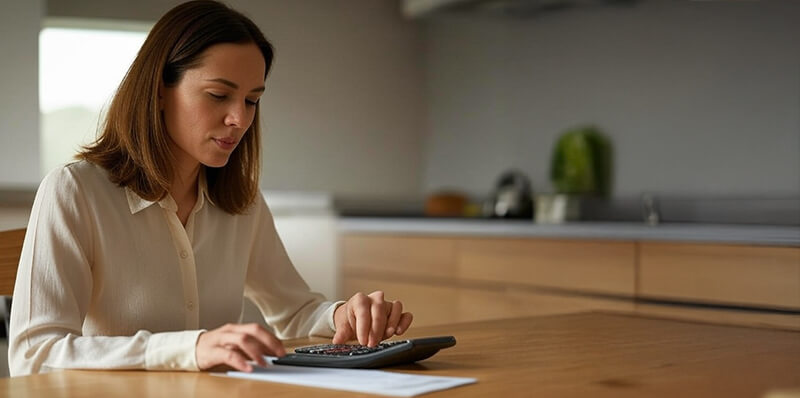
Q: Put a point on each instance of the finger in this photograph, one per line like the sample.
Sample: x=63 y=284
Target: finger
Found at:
x=395 y=311
x=361 y=319
x=230 y=357
x=268 y=340
x=343 y=333
x=245 y=343
x=379 y=315
x=405 y=322
x=377 y=295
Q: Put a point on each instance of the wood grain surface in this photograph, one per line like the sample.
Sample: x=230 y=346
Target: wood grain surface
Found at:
x=573 y=355
x=10 y=249
x=749 y=275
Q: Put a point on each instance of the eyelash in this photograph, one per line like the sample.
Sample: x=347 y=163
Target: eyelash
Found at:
x=223 y=97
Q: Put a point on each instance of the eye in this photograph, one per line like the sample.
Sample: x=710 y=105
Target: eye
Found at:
x=218 y=97
x=251 y=102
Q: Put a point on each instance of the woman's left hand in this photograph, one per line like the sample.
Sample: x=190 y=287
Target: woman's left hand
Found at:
x=370 y=319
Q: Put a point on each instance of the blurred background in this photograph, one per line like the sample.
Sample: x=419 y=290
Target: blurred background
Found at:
x=377 y=108
x=699 y=98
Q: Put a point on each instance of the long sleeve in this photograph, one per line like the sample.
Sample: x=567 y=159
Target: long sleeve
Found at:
x=54 y=292
x=278 y=290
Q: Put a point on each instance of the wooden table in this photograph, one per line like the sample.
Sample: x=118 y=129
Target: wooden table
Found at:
x=576 y=355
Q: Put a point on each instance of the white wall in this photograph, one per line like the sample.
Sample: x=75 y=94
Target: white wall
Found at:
x=344 y=107
x=19 y=99
x=698 y=98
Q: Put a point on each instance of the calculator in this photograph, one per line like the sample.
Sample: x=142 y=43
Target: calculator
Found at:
x=388 y=353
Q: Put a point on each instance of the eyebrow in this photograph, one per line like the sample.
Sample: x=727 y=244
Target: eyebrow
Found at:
x=234 y=85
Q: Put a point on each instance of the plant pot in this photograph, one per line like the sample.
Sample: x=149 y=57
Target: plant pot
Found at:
x=557 y=208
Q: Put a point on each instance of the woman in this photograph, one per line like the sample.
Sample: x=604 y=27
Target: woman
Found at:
x=138 y=255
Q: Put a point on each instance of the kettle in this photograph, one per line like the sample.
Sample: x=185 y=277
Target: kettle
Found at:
x=512 y=197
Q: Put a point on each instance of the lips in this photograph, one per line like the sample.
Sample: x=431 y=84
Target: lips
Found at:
x=226 y=140
x=226 y=143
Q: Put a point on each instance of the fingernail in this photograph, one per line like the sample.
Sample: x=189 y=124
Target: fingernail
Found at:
x=390 y=331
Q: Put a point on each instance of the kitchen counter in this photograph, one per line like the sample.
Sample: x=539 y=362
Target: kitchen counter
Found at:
x=764 y=235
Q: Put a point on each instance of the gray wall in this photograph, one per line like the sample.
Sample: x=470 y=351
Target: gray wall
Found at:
x=344 y=107
x=698 y=98
x=19 y=98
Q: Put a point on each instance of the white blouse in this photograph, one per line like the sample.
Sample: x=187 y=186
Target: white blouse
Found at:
x=108 y=280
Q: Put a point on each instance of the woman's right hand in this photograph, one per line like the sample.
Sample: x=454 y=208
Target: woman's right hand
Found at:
x=236 y=344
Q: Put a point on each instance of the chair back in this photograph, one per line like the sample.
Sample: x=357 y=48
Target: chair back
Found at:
x=10 y=250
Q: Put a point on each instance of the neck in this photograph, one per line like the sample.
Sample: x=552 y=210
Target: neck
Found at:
x=184 y=184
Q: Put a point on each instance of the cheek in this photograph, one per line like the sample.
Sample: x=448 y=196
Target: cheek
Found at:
x=184 y=116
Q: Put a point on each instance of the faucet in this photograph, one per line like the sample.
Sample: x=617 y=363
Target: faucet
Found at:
x=650 y=209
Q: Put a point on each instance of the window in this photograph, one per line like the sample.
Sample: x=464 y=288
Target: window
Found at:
x=81 y=63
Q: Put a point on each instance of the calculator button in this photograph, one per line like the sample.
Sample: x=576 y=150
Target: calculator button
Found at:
x=346 y=349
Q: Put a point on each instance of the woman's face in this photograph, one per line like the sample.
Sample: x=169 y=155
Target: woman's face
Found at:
x=209 y=110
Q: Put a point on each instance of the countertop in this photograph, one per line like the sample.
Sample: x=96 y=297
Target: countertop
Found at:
x=599 y=355
x=765 y=235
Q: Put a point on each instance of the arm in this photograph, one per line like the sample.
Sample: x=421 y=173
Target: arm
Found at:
x=53 y=294
x=277 y=289
x=289 y=306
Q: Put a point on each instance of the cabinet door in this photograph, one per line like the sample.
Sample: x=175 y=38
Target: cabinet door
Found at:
x=760 y=319
x=591 y=266
x=434 y=304
x=484 y=304
x=743 y=275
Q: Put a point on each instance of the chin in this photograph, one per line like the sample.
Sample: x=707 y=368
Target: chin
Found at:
x=216 y=163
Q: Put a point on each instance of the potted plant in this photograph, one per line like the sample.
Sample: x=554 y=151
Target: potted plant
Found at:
x=580 y=166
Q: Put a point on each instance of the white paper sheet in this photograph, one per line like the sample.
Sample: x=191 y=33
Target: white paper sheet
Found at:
x=358 y=380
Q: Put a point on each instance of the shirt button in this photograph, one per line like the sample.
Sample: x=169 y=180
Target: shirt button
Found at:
x=184 y=254
x=190 y=305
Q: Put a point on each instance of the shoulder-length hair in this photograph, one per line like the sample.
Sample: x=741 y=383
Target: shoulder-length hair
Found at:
x=133 y=145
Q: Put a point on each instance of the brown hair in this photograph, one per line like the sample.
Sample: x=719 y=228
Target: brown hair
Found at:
x=133 y=145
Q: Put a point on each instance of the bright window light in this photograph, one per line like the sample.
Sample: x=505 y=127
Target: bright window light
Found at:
x=79 y=71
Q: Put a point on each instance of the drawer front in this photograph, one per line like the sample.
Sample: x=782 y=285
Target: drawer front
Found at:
x=592 y=266
x=399 y=254
x=475 y=304
x=759 y=319
x=437 y=304
x=759 y=276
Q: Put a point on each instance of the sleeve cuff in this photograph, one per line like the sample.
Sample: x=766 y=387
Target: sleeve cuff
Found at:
x=327 y=327
x=172 y=351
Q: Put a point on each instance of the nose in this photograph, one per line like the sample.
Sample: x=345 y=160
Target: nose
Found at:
x=236 y=115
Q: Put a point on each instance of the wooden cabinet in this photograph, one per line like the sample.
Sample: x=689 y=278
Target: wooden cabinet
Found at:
x=725 y=274
x=732 y=316
x=415 y=256
x=581 y=265
x=452 y=279
x=732 y=284
x=482 y=304
x=431 y=304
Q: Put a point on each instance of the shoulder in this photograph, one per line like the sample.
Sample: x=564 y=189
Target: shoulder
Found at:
x=256 y=208
x=257 y=215
x=80 y=170
x=76 y=178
